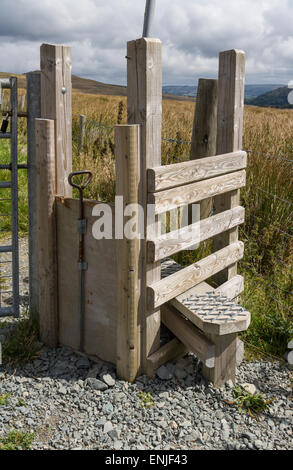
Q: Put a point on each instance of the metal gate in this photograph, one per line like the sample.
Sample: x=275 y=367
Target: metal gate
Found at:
x=12 y=248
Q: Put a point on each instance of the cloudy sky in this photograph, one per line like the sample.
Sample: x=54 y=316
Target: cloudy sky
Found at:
x=192 y=32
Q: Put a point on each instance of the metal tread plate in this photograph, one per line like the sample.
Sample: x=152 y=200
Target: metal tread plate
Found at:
x=211 y=312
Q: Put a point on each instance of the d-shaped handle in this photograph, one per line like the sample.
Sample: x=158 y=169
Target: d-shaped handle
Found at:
x=79 y=173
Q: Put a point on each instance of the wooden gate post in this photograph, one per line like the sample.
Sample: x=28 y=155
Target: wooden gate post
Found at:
x=33 y=112
x=56 y=104
x=144 y=106
x=204 y=135
x=127 y=147
x=229 y=138
x=46 y=216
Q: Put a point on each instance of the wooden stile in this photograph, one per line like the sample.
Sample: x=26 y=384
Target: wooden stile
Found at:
x=178 y=283
x=56 y=104
x=166 y=353
x=204 y=135
x=144 y=107
x=46 y=216
x=165 y=201
x=184 y=238
x=178 y=174
x=127 y=159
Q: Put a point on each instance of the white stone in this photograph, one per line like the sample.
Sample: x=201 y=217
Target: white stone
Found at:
x=290 y=344
x=250 y=388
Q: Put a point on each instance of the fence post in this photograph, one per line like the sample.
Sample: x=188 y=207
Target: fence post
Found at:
x=82 y=120
x=56 y=104
x=48 y=295
x=204 y=135
x=144 y=106
x=229 y=137
x=127 y=147
x=33 y=112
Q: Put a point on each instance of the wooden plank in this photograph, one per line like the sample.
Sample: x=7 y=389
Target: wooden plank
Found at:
x=232 y=288
x=100 y=282
x=166 y=353
x=178 y=174
x=33 y=112
x=144 y=106
x=165 y=201
x=189 y=335
x=178 y=283
x=127 y=157
x=184 y=238
x=229 y=138
x=204 y=134
x=46 y=216
x=225 y=360
x=56 y=103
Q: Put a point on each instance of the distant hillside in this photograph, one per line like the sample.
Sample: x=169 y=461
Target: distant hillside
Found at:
x=273 y=99
x=85 y=85
x=251 y=91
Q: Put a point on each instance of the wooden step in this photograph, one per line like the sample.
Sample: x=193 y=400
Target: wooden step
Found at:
x=211 y=310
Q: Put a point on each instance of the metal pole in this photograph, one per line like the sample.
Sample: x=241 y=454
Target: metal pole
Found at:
x=148 y=18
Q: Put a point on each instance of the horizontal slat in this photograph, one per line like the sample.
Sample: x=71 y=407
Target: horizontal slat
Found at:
x=5 y=184
x=166 y=353
x=178 y=283
x=183 y=195
x=169 y=176
x=189 y=335
x=232 y=288
x=184 y=238
x=6 y=249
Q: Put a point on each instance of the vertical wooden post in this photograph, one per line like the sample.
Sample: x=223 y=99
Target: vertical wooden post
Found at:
x=33 y=112
x=144 y=106
x=56 y=104
x=82 y=120
x=229 y=137
x=48 y=293
x=204 y=135
x=127 y=146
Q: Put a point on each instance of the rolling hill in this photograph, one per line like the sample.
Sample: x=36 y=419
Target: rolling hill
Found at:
x=273 y=99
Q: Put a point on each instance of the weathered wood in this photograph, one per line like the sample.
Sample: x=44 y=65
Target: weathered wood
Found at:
x=225 y=360
x=184 y=238
x=180 y=282
x=232 y=288
x=100 y=281
x=56 y=103
x=229 y=136
x=144 y=106
x=33 y=112
x=178 y=174
x=204 y=135
x=178 y=197
x=127 y=159
x=82 y=121
x=166 y=353
x=46 y=216
x=194 y=340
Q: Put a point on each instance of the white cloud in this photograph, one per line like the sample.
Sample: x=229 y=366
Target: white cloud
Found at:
x=192 y=32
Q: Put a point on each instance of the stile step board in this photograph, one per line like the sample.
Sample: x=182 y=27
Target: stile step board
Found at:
x=211 y=310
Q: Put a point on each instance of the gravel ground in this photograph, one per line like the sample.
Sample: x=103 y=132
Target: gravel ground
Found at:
x=70 y=402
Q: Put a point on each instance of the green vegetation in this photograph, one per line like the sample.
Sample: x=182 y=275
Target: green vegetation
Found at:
x=21 y=403
x=4 y=399
x=247 y=402
x=22 y=344
x=16 y=440
x=146 y=399
x=272 y=99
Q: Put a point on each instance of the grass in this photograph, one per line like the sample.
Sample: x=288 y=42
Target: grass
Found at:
x=268 y=228
x=4 y=399
x=21 y=344
x=16 y=440
x=253 y=404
